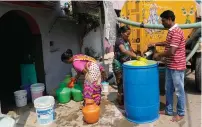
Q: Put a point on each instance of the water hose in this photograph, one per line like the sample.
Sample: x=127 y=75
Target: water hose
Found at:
x=194 y=49
x=157 y=26
x=194 y=36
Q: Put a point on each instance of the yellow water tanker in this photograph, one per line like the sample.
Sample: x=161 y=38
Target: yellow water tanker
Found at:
x=148 y=11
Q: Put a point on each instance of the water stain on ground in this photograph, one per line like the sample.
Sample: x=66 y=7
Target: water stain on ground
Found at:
x=112 y=97
x=66 y=120
x=182 y=123
x=103 y=106
x=122 y=123
x=72 y=116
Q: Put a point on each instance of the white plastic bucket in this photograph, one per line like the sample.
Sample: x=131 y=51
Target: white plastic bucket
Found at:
x=105 y=87
x=20 y=98
x=45 y=109
x=37 y=90
x=7 y=121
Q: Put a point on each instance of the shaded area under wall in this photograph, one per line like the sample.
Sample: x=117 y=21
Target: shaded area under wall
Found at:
x=20 y=46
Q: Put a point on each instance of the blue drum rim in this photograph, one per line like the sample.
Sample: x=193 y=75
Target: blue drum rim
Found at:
x=148 y=66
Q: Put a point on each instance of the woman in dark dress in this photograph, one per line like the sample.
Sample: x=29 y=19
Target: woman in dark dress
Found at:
x=123 y=53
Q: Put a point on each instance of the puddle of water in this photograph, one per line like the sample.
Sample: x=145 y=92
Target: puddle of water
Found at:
x=123 y=123
x=72 y=116
x=103 y=106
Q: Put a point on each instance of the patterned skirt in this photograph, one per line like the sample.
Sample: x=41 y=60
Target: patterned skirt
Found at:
x=92 y=83
x=117 y=68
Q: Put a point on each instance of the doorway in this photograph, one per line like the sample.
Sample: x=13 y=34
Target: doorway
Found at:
x=21 y=44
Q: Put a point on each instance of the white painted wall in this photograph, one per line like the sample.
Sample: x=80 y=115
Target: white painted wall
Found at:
x=65 y=34
x=93 y=39
x=118 y=4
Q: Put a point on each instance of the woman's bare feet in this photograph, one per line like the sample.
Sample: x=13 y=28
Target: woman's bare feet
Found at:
x=177 y=118
x=81 y=107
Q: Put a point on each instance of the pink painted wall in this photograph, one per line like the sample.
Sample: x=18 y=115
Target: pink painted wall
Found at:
x=118 y=4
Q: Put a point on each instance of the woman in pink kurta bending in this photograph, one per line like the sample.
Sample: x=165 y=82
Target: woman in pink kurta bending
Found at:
x=93 y=72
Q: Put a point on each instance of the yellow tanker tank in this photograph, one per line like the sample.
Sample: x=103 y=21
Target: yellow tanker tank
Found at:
x=148 y=11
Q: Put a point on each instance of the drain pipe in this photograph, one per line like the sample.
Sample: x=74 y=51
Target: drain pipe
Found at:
x=194 y=49
x=157 y=26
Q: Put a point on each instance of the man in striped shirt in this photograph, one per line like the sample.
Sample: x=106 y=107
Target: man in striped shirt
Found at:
x=175 y=63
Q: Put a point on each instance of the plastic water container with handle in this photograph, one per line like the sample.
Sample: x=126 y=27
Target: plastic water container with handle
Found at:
x=105 y=87
x=20 y=98
x=67 y=79
x=45 y=109
x=63 y=95
x=77 y=93
x=7 y=121
x=37 y=90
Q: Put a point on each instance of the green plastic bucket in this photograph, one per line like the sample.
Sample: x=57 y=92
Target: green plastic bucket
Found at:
x=62 y=85
x=77 y=93
x=67 y=79
x=79 y=83
x=63 y=95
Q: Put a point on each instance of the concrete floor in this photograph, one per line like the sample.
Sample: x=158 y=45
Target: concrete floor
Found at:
x=193 y=103
x=69 y=115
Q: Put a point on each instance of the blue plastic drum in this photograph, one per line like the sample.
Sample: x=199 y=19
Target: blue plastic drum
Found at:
x=141 y=92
